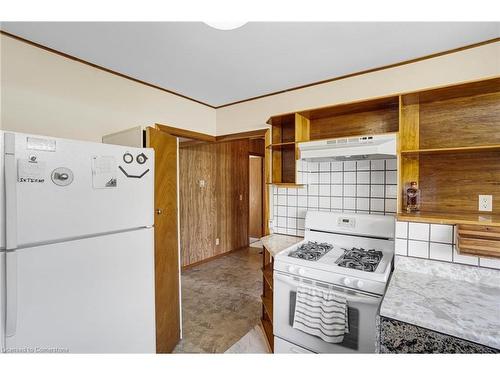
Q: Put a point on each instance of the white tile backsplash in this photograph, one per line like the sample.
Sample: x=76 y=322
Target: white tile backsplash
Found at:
x=434 y=241
x=350 y=165
x=377 y=204
x=349 y=177
x=418 y=231
x=377 y=191
x=391 y=177
x=489 y=262
x=401 y=229
x=302 y=201
x=378 y=165
x=419 y=249
x=363 y=191
x=442 y=233
x=390 y=205
x=349 y=203
x=401 y=246
x=391 y=164
x=464 y=259
x=363 y=204
x=336 y=186
x=349 y=190
x=363 y=177
x=282 y=200
x=377 y=178
x=324 y=190
x=324 y=202
x=441 y=251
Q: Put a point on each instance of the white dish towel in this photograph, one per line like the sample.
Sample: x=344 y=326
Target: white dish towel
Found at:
x=321 y=313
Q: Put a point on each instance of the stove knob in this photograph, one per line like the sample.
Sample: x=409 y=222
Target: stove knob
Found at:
x=347 y=281
x=291 y=269
x=302 y=272
x=359 y=284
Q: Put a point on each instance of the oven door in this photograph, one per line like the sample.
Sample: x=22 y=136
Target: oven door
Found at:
x=362 y=310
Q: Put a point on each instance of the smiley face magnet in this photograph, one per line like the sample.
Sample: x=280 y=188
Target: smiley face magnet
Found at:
x=130 y=169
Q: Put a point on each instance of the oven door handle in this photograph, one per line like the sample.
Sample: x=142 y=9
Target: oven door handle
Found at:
x=357 y=297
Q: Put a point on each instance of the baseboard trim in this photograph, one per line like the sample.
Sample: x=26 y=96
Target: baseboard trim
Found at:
x=188 y=266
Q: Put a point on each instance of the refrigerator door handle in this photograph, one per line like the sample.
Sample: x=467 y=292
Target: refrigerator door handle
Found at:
x=10 y=191
x=11 y=293
x=10 y=234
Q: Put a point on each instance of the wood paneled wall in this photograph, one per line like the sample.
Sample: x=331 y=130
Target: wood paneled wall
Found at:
x=220 y=208
x=198 y=208
x=257 y=146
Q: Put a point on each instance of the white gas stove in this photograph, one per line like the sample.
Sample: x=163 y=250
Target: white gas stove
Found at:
x=351 y=254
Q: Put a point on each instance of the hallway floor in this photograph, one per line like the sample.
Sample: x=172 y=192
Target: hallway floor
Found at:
x=220 y=301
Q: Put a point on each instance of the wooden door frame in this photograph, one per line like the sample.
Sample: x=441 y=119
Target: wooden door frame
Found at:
x=262 y=192
x=252 y=134
x=197 y=136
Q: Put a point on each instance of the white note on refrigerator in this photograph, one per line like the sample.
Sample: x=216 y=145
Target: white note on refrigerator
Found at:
x=104 y=172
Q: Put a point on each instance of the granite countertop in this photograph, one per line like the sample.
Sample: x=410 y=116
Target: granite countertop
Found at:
x=276 y=243
x=457 y=300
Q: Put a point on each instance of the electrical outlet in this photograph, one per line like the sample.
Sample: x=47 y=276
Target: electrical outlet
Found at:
x=486 y=203
x=217 y=242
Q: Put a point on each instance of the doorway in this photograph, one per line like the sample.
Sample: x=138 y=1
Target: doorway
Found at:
x=255 y=212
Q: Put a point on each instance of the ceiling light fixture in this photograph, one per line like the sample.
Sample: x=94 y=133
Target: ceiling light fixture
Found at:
x=231 y=25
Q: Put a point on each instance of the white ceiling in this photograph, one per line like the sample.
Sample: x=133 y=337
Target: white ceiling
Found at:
x=219 y=67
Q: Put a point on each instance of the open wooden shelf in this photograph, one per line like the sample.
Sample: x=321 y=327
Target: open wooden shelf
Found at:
x=267 y=301
x=281 y=145
x=449 y=143
x=286 y=131
x=451 y=218
x=367 y=117
x=448 y=150
x=285 y=184
x=267 y=272
x=268 y=330
x=267 y=296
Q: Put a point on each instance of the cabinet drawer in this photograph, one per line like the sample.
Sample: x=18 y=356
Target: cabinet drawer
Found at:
x=479 y=240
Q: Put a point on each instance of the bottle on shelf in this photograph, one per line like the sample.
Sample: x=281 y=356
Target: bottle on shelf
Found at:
x=412 y=197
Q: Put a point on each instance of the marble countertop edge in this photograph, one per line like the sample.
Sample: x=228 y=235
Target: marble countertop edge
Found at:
x=275 y=243
x=457 y=301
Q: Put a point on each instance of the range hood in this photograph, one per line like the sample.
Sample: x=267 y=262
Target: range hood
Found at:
x=368 y=147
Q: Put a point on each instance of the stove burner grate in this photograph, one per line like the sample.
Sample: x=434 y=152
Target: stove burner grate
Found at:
x=360 y=259
x=311 y=251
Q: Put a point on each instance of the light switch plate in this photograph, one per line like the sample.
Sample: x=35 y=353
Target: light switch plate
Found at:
x=485 y=203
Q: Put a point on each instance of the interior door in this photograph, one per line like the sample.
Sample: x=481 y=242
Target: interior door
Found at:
x=166 y=243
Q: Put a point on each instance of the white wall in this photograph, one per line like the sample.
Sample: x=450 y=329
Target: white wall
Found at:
x=471 y=64
x=44 y=93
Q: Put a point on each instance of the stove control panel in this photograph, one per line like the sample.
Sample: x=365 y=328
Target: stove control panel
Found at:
x=329 y=277
x=346 y=222
x=297 y=270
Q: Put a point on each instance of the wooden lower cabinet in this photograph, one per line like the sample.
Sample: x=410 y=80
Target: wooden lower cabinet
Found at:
x=267 y=297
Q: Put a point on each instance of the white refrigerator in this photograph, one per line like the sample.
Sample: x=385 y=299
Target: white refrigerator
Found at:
x=76 y=246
